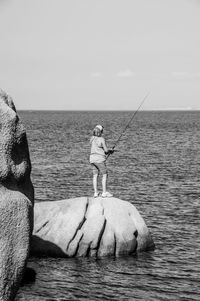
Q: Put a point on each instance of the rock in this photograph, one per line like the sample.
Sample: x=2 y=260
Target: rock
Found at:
x=88 y=227
x=16 y=199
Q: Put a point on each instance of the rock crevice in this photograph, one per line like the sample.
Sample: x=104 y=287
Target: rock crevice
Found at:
x=79 y=229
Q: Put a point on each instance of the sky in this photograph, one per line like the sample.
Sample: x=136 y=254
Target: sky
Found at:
x=100 y=54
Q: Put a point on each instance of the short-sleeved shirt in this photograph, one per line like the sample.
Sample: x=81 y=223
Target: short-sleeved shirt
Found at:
x=97 y=154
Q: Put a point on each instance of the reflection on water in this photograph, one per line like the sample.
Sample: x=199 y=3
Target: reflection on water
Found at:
x=157 y=168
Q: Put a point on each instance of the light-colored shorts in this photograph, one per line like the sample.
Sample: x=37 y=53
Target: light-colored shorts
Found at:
x=98 y=168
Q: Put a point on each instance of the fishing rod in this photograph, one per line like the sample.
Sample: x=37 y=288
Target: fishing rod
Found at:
x=131 y=119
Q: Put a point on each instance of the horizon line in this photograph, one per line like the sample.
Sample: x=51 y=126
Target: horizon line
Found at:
x=111 y=110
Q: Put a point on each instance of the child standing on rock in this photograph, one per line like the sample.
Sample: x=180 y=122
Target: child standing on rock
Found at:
x=99 y=151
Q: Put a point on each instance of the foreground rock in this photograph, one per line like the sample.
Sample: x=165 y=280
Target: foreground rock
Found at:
x=88 y=227
x=16 y=199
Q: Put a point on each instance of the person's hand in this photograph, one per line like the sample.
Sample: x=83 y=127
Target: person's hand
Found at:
x=110 y=151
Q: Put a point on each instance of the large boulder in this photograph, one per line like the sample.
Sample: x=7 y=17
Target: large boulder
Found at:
x=88 y=227
x=16 y=199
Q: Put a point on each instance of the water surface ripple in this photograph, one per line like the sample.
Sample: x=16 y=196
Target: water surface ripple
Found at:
x=157 y=168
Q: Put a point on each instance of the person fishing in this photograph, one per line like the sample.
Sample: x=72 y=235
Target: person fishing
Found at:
x=98 y=155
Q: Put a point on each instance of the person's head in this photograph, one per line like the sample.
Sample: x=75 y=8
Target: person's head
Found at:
x=98 y=130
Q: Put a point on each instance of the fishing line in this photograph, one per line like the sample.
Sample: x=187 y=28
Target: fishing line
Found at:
x=129 y=122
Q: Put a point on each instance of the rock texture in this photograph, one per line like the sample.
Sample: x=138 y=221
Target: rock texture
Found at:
x=16 y=199
x=88 y=227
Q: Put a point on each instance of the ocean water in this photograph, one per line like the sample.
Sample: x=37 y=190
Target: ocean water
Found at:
x=156 y=168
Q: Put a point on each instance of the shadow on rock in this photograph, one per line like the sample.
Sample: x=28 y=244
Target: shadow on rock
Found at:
x=45 y=248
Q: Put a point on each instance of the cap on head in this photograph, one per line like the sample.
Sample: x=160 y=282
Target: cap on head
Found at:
x=100 y=127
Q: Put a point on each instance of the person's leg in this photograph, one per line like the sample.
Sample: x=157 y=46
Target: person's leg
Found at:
x=104 y=173
x=95 y=181
x=105 y=193
x=104 y=183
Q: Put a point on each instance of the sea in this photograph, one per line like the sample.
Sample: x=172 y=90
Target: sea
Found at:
x=156 y=167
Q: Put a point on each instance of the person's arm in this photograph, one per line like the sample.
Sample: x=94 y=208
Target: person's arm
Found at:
x=106 y=150
x=103 y=142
